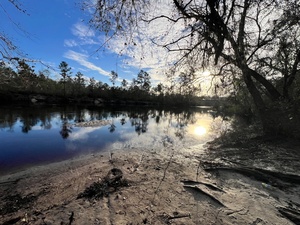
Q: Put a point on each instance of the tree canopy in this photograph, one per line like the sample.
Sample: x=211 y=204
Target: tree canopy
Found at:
x=254 y=41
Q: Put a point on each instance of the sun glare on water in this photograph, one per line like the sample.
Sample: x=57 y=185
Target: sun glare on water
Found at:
x=206 y=73
x=200 y=130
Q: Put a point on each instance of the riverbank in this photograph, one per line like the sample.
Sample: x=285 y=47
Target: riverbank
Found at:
x=163 y=186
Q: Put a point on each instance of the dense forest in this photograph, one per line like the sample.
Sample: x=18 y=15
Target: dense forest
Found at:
x=24 y=84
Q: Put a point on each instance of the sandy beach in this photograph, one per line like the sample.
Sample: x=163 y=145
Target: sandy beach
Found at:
x=162 y=186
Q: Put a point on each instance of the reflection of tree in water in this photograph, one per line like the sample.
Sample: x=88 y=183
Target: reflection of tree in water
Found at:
x=66 y=129
x=46 y=121
x=112 y=128
x=139 y=122
x=123 y=121
x=8 y=119
x=65 y=117
x=183 y=119
x=157 y=119
x=79 y=116
x=28 y=121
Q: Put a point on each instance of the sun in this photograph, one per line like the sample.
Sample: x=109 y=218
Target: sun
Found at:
x=200 y=130
x=206 y=73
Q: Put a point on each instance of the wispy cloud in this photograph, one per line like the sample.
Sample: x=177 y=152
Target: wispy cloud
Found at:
x=82 y=59
x=83 y=133
x=83 y=35
x=70 y=43
x=148 y=51
x=81 y=30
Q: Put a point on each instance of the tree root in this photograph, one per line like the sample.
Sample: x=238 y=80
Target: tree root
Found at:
x=270 y=177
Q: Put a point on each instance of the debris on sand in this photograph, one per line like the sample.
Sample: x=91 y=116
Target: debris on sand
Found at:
x=15 y=202
x=111 y=182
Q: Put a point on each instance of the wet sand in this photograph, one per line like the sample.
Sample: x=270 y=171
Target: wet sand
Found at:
x=164 y=186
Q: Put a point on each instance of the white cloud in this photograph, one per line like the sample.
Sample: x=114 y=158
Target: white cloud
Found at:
x=70 y=43
x=148 y=52
x=84 y=35
x=82 y=134
x=82 y=59
x=81 y=30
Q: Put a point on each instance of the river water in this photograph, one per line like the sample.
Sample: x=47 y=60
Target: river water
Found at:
x=36 y=135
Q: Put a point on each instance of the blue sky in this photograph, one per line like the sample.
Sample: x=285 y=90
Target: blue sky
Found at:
x=55 y=31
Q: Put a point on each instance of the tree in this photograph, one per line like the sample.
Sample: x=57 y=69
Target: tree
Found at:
x=113 y=77
x=8 y=50
x=249 y=35
x=92 y=85
x=124 y=84
x=79 y=83
x=65 y=73
x=7 y=78
x=143 y=81
x=28 y=78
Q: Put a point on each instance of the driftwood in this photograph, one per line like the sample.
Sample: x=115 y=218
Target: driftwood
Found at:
x=206 y=194
x=165 y=218
x=211 y=186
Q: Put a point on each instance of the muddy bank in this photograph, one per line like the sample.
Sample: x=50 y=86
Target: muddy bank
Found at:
x=163 y=186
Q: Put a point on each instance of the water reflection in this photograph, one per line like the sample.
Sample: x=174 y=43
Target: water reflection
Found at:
x=200 y=130
x=65 y=131
x=45 y=134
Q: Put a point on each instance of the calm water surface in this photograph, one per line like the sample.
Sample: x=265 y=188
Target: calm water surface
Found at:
x=35 y=135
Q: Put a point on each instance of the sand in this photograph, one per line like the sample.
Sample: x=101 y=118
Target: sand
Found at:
x=164 y=186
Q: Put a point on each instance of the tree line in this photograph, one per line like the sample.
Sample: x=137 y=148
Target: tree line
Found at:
x=25 y=81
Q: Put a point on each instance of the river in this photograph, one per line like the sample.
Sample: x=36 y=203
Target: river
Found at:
x=36 y=135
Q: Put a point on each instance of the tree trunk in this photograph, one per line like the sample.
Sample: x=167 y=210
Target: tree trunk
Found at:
x=269 y=118
x=278 y=117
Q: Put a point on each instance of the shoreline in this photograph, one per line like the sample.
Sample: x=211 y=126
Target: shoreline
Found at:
x=165 y=186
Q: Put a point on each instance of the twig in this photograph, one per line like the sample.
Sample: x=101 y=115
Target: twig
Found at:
x=10 y=182
x=111 y=156
x=179 y=216
x=165 y=171
x=198 y=170
x=71 y=219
